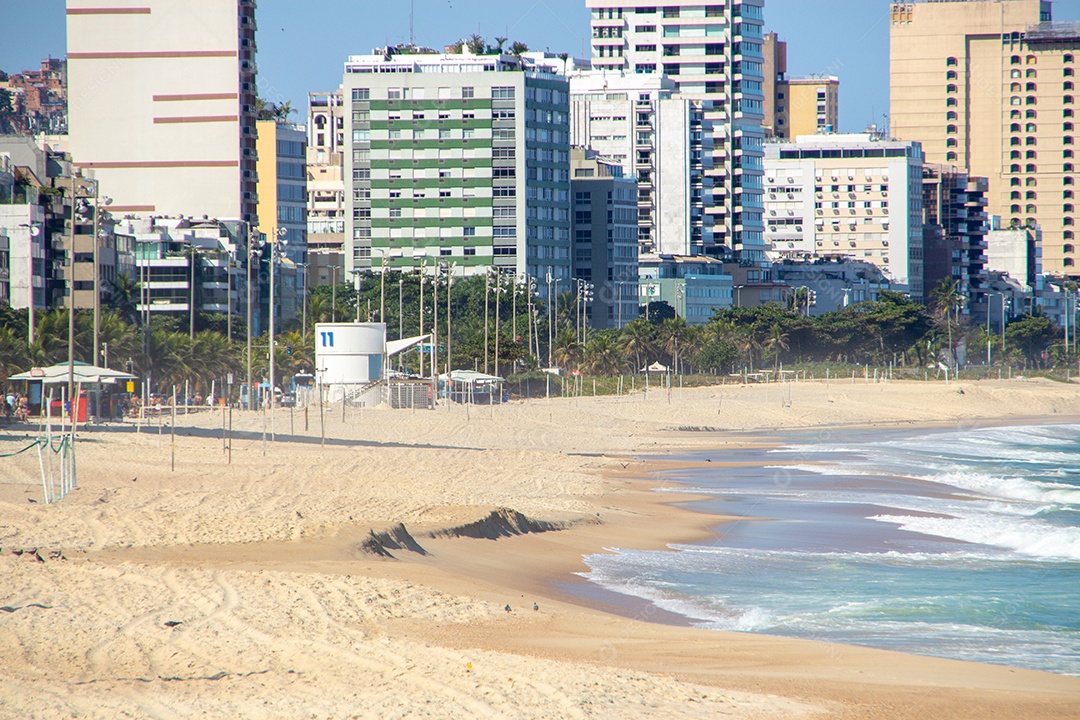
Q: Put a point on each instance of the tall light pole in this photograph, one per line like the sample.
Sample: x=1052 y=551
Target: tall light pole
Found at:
x=228 y=294
x=989 y=341
x=449 y=333
x=382 y=291
x=549 y=318
x=191 y=306
x=498 y=308
x=34 y=231
x=98 y=203
x=71 y=305
x=272 y=243
x=356 y=286
x=487 y=291
x=252 y=250
x=333 y=291
x=400 y=307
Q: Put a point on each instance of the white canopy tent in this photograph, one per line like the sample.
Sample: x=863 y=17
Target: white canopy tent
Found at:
x=80 y=372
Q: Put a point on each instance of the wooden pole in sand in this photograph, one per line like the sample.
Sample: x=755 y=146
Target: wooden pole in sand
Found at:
x=230 y=434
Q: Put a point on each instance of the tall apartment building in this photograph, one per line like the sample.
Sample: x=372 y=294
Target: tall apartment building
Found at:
x=605 y=238
x=282 y=185
x=162 y=104
x=713 y=52
x=848 y=196
x=457 y=159
x=797 y=106
x=990 y=86
x=325 y=168
x=954 y=233
x=625 y=118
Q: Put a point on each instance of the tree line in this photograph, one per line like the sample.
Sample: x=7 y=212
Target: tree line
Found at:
x=890 y=330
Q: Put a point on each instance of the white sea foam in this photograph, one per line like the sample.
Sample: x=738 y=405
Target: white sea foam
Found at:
x=1034 y=538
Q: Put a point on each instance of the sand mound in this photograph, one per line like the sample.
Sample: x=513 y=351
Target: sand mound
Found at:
x=503 y=522
x=396 y=538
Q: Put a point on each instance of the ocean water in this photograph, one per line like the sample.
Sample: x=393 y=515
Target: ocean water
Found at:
x=960 y=543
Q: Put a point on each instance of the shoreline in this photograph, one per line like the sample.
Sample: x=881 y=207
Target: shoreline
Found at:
x=211 y=544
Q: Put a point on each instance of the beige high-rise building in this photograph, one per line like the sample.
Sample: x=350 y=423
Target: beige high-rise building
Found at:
x=162 y=103
x=989 y=85
x=797 y=106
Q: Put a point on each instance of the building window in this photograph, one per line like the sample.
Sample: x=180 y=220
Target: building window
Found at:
x=1069 y=262
x=950 y=156
x=950 y=88
x=1031 y=155
x=1031 y=195
x=1067 y=207
x=951 y=142
x=1014 y=60
x=1067 y=59
x=1068 y=99
x=951 y=115
x=468 y=92
x=1030 y=141
x=950 y=62
x=1067 y=86
x=951 y=75
x=1030 y=87
x=1015 y=87
x=1031 y=100
x=951 y=102
x=951 y=129
x=1031 y=127
x=1014 y=195
x=1015 y=127
x=1029 y=168
x=1031 y=60
x=1067 y=167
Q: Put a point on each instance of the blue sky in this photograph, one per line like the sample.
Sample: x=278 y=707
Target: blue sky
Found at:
x=303 y=45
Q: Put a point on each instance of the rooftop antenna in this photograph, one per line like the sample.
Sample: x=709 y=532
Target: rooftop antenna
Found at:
x=412 y=8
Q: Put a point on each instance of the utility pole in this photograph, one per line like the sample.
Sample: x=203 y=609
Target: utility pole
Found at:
x=252 y=232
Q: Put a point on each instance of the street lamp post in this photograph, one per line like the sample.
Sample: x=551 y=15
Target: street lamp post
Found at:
x=989 y=341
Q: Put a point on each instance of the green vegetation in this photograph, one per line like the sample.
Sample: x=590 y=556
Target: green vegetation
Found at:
x=895 y=333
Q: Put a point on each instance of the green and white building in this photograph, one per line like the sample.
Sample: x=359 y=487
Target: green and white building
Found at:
x=457 y=160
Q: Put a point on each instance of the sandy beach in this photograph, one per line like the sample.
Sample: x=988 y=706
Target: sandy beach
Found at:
x=252 y=589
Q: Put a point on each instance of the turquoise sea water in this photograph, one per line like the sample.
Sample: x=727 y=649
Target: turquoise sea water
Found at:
x=961 y=543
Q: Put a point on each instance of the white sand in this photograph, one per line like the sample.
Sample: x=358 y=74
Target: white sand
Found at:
x=281 y=616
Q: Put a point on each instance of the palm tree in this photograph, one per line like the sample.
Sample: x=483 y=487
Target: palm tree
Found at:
x=672 y=335
x=747 y=343
x=946 y=299
x=124 y=298
x=776 y=343
x=602 y=356
x=637 y=341
x=566 y=351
